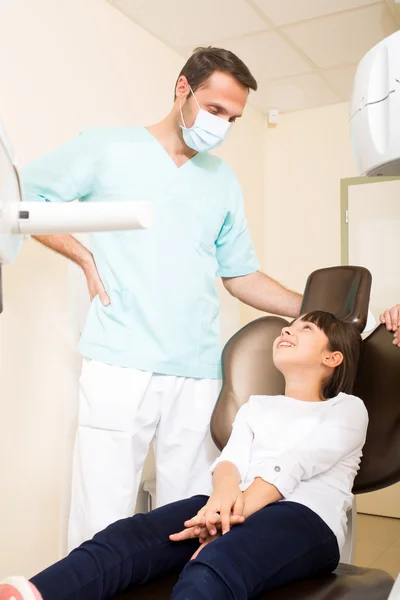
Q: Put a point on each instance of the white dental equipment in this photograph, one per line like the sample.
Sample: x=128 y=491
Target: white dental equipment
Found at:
x=375 y=110
x=375 y=114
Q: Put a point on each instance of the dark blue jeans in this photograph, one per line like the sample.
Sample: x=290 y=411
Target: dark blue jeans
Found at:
x=281 y=543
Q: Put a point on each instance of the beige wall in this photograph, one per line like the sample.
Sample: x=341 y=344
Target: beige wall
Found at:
x=308 y=152
x=65 y=66
x=245 y=152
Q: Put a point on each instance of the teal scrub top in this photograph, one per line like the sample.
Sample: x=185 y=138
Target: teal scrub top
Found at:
x=164 y=311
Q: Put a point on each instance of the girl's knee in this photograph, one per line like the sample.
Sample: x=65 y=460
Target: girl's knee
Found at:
x=200 y=581
x=217 y=573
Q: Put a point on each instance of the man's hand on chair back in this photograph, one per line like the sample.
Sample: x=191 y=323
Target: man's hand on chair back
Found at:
x=391 y=318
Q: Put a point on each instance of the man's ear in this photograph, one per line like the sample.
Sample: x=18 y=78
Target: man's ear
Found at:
x=333 y=359
x=182 y=88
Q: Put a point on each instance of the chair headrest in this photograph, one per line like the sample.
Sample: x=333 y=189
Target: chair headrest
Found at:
x=343 y=291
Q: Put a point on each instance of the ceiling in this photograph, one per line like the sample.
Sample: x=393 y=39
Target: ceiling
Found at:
x=303 y=53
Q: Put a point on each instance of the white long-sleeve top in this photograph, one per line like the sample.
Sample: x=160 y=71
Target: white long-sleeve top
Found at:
x=310 y=451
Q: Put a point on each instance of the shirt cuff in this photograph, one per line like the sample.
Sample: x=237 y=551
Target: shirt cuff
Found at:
x=214 y=465
x=237 y=272
x=283 y=477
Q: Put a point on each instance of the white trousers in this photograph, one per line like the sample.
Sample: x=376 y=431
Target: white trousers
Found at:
x=121 y=411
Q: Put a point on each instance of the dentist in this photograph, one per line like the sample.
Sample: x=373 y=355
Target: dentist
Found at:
x=151 y=350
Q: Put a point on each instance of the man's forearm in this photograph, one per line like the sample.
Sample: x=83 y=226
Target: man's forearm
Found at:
x=68 y=246
x=264 y=293
x=258 y=495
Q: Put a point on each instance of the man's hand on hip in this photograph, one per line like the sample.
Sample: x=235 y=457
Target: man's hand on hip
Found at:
x=71 y=248
x=95 y=285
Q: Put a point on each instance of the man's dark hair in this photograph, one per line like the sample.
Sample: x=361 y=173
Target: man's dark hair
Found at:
x=206 y=61
x=342 y=337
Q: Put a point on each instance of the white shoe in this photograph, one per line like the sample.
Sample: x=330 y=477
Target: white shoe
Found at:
x=21 y=586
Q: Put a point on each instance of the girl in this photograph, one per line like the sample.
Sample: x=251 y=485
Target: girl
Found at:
x=282 y=488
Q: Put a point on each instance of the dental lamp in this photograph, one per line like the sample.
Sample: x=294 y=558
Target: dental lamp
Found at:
x=19 y=218
x=375 y=110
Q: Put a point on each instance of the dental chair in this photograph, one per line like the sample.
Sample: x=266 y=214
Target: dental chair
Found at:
x=248 y=369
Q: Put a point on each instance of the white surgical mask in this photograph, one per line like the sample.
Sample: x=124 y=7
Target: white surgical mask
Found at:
x=207 y=132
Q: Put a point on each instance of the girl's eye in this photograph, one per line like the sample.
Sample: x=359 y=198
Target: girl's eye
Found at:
x=307 y=327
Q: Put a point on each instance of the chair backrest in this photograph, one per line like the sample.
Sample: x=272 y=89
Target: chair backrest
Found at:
x=248 y=369
x=378 y=384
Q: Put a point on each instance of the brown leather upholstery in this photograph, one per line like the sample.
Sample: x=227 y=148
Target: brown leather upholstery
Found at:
x=248 y=369
x=378 y=384
x=342 y=291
